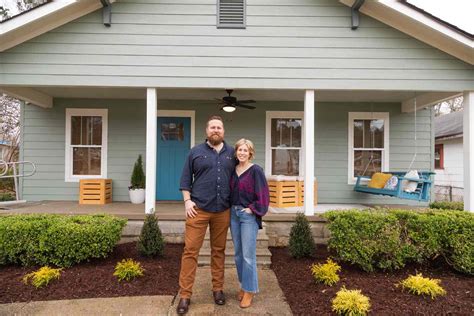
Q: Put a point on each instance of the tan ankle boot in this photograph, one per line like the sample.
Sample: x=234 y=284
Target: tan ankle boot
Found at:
x=246 y=300
x=240 y=295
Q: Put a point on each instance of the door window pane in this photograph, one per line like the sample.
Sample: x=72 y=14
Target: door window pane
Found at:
x=86 y=161
x=172 y=131
x=285 y=162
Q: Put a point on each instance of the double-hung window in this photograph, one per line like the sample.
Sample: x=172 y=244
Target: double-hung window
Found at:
x=368 y=143
x=284 y=139
x=86 y=144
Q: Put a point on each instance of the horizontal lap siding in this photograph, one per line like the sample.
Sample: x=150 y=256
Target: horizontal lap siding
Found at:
x=44 y=142
x=287 y=44
x=331 y=148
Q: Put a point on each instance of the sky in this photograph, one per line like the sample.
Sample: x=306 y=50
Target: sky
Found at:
x=457 y=12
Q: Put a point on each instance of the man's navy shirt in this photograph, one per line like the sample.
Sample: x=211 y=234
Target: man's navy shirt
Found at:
x=206 y=174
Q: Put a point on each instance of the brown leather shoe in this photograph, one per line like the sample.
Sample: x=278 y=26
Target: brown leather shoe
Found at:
x=183 y=306
x=246 y=300
x=240 y=295
x=219 y=297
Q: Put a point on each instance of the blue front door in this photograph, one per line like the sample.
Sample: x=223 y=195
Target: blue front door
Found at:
x=174 y=140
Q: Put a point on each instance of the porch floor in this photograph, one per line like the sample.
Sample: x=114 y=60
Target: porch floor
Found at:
x=165 y=210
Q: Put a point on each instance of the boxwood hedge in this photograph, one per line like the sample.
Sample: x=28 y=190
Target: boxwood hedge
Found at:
x=389 y=239
x=57 y=239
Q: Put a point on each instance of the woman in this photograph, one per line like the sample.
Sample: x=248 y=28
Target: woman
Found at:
x=250 y=199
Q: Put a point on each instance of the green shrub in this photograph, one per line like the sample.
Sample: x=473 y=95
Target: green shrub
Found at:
x=419 y=285
x=389 y=239
x=57 y=240
x=128 y=270
x=137 y=180
x=369 y=239
x=43 y=276
x=301 y=243
x=458 y=206
x=326 y=273
x=151 y=242
x=350 y=302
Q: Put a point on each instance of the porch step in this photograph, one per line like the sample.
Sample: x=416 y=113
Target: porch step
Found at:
x=263 y=254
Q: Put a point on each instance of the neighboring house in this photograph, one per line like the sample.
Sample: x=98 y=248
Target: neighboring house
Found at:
x=449 y=178
x=333 y=87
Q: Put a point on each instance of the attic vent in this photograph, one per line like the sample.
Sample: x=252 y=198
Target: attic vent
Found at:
x=231 y=14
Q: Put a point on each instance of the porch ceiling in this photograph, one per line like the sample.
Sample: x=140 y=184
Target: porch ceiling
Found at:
x=210 y=94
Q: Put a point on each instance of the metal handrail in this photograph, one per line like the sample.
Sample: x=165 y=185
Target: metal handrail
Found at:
x=13 y=166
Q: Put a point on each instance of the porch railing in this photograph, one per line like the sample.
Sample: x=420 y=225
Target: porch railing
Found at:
x=15 y=174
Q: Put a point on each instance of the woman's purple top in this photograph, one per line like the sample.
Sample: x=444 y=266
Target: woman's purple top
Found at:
x=251 y=190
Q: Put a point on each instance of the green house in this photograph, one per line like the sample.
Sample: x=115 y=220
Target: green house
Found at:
x=341 y=88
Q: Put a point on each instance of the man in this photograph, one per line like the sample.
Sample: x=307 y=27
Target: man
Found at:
x=205 y=184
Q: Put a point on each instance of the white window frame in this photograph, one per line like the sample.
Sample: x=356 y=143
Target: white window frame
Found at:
x=268 y=138
x=70 y=112
x=385 y=116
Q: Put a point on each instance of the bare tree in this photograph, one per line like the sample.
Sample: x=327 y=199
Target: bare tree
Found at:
x=10 y=126
x=448 y=106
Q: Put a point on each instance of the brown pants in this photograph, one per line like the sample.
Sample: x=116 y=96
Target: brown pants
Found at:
x=193 y=238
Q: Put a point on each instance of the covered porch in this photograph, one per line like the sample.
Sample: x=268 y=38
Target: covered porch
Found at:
x=323 y=153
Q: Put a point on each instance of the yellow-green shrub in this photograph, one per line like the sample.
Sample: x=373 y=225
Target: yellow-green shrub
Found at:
x=326 y=273
x=128 y=269
x=42 y=276
x=419 y=285
x=350 y=302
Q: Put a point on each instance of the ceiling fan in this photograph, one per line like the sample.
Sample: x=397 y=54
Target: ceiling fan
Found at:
x=229 y=103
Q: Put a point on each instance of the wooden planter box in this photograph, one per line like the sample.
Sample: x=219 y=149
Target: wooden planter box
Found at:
x=283 y=193
x=95 y=191
x=301 y=193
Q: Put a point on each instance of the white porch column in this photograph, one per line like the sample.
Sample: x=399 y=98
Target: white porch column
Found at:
x=150 y=188
x=309 y=152
x=468 y=148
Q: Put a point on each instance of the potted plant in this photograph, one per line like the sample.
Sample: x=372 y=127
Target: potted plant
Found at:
x=136 y=190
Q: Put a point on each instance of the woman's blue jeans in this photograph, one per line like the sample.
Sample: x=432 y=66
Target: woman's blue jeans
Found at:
x=244 y=230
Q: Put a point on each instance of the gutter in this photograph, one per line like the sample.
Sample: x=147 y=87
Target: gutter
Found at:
x=355 y=13
x=106 y=12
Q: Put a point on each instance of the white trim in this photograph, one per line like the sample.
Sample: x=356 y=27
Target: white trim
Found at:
x=181 y=113
x=468 y=149
x=268 y=126
x=308 y=149
x=68 y=176
x=414 y=23
x=43 y=19
x=151 y=140
x=386 y=151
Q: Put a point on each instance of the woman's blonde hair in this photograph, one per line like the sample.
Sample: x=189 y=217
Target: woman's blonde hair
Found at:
x=249 y=144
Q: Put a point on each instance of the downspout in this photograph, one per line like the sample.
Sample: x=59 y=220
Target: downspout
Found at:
x=355 y=13
x=106 y=12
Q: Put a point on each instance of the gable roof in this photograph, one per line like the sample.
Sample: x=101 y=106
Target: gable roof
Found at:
x=423 y=27
x=43 y=19
x=391 y=12
x=449 y=125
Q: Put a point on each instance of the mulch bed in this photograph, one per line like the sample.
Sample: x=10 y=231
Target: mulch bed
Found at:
x=306 y=297
x=95 y=278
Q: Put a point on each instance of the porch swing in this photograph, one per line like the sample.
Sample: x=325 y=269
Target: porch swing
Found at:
x=420 y=187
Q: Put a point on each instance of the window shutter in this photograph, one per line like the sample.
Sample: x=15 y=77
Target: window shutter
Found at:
x=231 y=13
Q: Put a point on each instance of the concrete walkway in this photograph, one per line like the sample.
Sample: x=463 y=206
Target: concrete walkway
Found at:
x=270 y=301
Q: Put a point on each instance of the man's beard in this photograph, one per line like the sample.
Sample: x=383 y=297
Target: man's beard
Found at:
x=215 y=139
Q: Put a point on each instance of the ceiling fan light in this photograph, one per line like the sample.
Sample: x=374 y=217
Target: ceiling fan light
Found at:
x=228 y=108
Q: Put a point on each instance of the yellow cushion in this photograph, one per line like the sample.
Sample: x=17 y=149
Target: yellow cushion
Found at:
x=378 y=180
